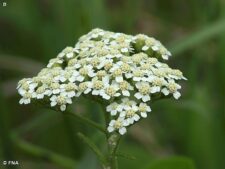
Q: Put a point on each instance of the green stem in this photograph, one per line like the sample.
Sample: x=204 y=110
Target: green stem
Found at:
x=79 y=118
x=86 y=121
x=112 y=144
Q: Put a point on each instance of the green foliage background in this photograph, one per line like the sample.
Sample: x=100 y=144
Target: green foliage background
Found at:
x=184 y=134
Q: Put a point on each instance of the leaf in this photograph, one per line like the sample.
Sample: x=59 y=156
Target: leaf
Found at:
x=172 y=163
x=198 y=37
x=124 y=155
x=42 y=153
x=93 y=147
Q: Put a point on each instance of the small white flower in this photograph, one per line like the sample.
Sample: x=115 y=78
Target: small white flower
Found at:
x=117 y=73
x=85 y=88
x=54 y=61
x=41 y=92
x=138 y=75
x=176 y=74
x=127 y=103
x=119 y=125
x=143 y=109
x=164 y=53
x=151 y=43
x=85 y=72
x=61 y=100
x=28 y=86
x=172 y=88
x=68 y=52
x=144 y=91
x=98 y=87
x=74 y=63
x=110 y=91
x=26 y=99
x=157 y=83
x=55 y=88
x=125 y=87
x=105 y=63
x=114 y=108
x=130 y=115
x=144 y=48
x=69 y=89
x=124 y=50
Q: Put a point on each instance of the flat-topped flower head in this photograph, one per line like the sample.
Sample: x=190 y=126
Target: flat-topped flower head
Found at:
x=123 y=72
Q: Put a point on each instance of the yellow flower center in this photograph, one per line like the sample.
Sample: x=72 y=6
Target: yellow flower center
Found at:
x=72 y=62
x=101 y=73
x=95 y=62
x=61 y=100
x=117 y=124
x=117 y=72
x=152 y=61
x=55 y=86
x=177 y=73
x=55 y=73
x=150 y=42
x=125 y=67
x=130 y=113
x=142 y=108
x=110 y=91
x=25 y=86
x=160 y=73
x=70 y=87
x=124 y=85
x=138 y=73
x=27 y=95
x=83 y=86
x=157 y=82
x=108 y=65
x=172 y=87
x=145 y=66
x=144 y=89
x=83 y=71
x=98 y=84
x=40 y=90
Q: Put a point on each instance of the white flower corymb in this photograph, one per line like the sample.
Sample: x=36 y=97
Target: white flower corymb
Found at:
x=122 y=71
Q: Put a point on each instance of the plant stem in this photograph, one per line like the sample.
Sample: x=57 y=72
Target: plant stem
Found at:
x=86 y=121
x=112 y=144
x=79 y=118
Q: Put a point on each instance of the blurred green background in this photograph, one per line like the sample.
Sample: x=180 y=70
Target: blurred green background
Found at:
x=184 y=134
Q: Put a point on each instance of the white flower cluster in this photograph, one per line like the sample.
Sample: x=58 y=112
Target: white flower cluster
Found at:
x=124 y=71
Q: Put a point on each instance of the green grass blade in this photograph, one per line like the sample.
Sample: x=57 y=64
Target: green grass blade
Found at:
x=198 y=37
x=43 y=154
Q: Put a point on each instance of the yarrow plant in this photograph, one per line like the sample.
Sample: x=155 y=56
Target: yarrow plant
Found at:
x=123 y=73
